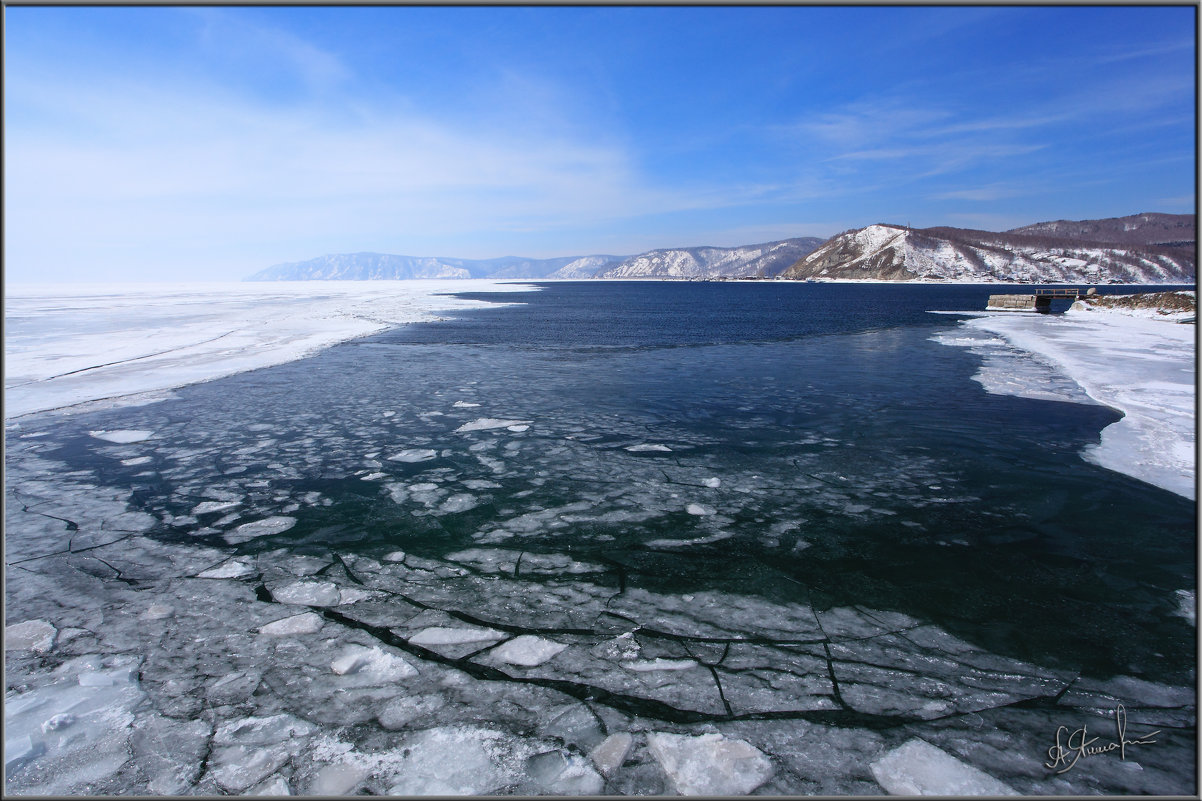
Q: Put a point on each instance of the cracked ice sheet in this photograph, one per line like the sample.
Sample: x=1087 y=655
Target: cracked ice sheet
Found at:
x=1143 y=368
x=67 y=345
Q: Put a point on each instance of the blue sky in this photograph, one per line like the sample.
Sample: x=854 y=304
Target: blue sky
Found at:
x=206 y=143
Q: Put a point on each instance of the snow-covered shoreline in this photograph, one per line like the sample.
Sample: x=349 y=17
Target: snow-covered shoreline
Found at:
x=1139 y=366
x=67 y=345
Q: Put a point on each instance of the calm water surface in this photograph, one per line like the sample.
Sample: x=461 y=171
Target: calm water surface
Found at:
x=794 y=442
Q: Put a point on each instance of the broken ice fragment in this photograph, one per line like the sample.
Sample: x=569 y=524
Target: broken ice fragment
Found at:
x=308 y=593
x=486 y=423
x=645 y=447
x=122 y=437
x=710 y=764
x=395 y=556
x=339 y=778
x=411 y=455
x=19 y=749
x=32 y=635
x=275 y=786
x=562 y=774
x=455 y=761
x=611 y=753
x=527 y=650
x=440 y=635
x=208 y=507
x=372 y=664
x=699 y=510
x=262 y=731
x=919 y=768
x=648 y=665
x=157 y=612
x=231 y=569
x=712 y=482
x=306 y=623
x=259 y=528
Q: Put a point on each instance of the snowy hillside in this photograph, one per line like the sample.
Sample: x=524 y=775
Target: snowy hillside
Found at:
x=1135 y=229
x=889 y=252
x=708 y=262
x=584 y=267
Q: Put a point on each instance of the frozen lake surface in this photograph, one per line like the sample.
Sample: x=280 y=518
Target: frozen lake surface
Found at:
x=619 y=538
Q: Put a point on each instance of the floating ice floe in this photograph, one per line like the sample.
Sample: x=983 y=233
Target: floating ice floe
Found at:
x=411 y=455
x=122 y=437
x=464 y=405
x=669 y=543
x=518 y=429
x=209 y=507
x=710 y=764
x=700 y=510
x=444 y=635
x=137 y=460
x=648 y=448
x=712 y=482
x=919 y=768
x=651 y=665
x=260 y=528
x=487 y=423
x=527 y=651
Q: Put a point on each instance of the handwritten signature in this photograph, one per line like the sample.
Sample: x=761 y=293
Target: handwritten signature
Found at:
x=1079 y=743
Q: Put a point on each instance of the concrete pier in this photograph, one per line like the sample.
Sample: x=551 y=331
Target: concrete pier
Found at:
x=1019 y=303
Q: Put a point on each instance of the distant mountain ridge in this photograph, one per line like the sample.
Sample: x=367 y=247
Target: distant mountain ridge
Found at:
x=1061 y=252
x=1148 y=228
x=766 y=260
x=1140 y=248
x=386 y=266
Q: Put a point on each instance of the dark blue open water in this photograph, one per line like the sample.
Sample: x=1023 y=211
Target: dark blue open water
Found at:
x=795 y=442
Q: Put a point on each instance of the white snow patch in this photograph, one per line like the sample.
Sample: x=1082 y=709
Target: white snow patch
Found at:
x=67 y=345
x=373 y=664
x=1144 y=368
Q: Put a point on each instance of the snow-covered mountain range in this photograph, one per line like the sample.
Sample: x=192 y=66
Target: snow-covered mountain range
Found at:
x=766 y=261
x=1138 y=249
x=892 y=252
x=385 y=266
